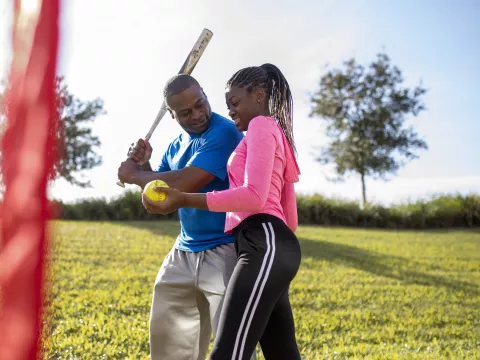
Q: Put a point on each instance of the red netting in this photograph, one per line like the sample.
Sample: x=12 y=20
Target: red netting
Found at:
x=25 y=166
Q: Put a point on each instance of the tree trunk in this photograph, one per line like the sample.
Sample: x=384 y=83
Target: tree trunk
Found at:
x=364 y=190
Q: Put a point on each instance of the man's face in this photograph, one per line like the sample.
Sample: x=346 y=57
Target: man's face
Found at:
x=191 y=109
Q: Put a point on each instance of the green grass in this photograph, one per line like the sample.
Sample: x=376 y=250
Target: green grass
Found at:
x=359 y=294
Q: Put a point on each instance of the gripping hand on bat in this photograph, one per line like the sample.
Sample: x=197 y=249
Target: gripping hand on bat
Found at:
x=139 y=155
x=140 y=152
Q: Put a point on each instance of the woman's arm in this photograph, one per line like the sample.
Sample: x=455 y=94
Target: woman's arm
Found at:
x=174 y=200
x=261 y=145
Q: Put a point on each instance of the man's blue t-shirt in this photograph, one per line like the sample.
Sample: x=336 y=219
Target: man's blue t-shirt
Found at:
x=202 y=229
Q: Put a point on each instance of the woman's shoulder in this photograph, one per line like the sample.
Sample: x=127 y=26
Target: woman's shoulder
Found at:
x=262 y=119
x=265 y=124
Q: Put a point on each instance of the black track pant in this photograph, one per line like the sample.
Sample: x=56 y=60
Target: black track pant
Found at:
x=256 y=306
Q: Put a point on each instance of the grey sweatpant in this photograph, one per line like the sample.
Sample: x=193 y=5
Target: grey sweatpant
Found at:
x=187 y=300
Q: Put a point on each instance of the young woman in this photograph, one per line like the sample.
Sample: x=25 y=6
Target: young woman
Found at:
x=261 y=212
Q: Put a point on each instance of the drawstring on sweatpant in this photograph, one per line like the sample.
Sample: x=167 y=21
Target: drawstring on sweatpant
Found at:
x=199 y=263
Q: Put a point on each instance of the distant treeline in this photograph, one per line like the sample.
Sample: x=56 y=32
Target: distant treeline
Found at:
x=444 y=211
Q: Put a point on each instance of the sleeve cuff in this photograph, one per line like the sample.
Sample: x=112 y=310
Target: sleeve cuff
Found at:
x=210 y=201
x=214 y=201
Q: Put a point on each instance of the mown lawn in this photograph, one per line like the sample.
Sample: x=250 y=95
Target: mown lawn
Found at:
x=360 y=294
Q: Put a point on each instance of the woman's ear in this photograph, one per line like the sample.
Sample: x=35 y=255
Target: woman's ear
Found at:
x=260 y=95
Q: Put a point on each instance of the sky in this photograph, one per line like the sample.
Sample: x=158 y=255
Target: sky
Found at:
x=124 y=51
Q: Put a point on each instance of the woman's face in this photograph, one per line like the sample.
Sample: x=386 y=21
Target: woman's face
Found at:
x=243 y=106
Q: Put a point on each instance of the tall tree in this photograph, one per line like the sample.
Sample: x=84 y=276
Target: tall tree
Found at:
x=76 y=146
x=365 y=109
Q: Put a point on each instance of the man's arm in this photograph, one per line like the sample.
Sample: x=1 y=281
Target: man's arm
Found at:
x=208 y=162
x=189 y=179
x=141 y=173
x=146 y=167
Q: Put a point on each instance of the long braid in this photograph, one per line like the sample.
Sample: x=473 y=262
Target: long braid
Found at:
x=271 y=79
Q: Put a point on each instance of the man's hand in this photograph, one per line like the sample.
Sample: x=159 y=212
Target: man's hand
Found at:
x=141 y=152
x=127 y=171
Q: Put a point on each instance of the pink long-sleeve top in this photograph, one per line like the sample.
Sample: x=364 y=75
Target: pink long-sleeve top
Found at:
x=262 y=171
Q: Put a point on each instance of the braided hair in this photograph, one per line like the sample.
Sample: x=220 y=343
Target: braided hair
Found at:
x=271 y=79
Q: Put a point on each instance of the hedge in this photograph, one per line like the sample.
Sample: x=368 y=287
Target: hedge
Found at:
x=445 y=211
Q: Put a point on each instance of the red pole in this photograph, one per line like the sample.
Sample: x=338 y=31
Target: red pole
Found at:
x=26 y=163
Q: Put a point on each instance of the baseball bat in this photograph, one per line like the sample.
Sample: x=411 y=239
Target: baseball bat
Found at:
x=187 y=68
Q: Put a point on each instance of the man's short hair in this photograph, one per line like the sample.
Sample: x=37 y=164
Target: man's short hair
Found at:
x=178 y=83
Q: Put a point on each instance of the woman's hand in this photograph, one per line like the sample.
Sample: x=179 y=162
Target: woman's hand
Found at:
x=174 y=200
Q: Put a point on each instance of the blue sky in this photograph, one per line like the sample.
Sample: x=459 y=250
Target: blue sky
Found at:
x=438 y=42
x=124 y=51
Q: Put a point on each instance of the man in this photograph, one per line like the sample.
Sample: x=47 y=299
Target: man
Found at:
x=190 y=286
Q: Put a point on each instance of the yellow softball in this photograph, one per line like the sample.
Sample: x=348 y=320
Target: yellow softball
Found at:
x=153 y=195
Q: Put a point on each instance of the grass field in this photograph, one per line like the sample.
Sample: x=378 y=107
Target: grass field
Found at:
x=358 y=295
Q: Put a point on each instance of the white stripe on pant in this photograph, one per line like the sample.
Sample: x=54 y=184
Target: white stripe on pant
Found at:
x=269 y=256
x=257 y=307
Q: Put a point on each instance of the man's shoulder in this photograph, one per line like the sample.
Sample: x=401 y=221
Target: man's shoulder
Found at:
x=219 y=121
x=175 y=143
x=221 y=125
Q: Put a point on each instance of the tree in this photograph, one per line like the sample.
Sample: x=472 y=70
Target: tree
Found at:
x=75 y=145
x=365 y=111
